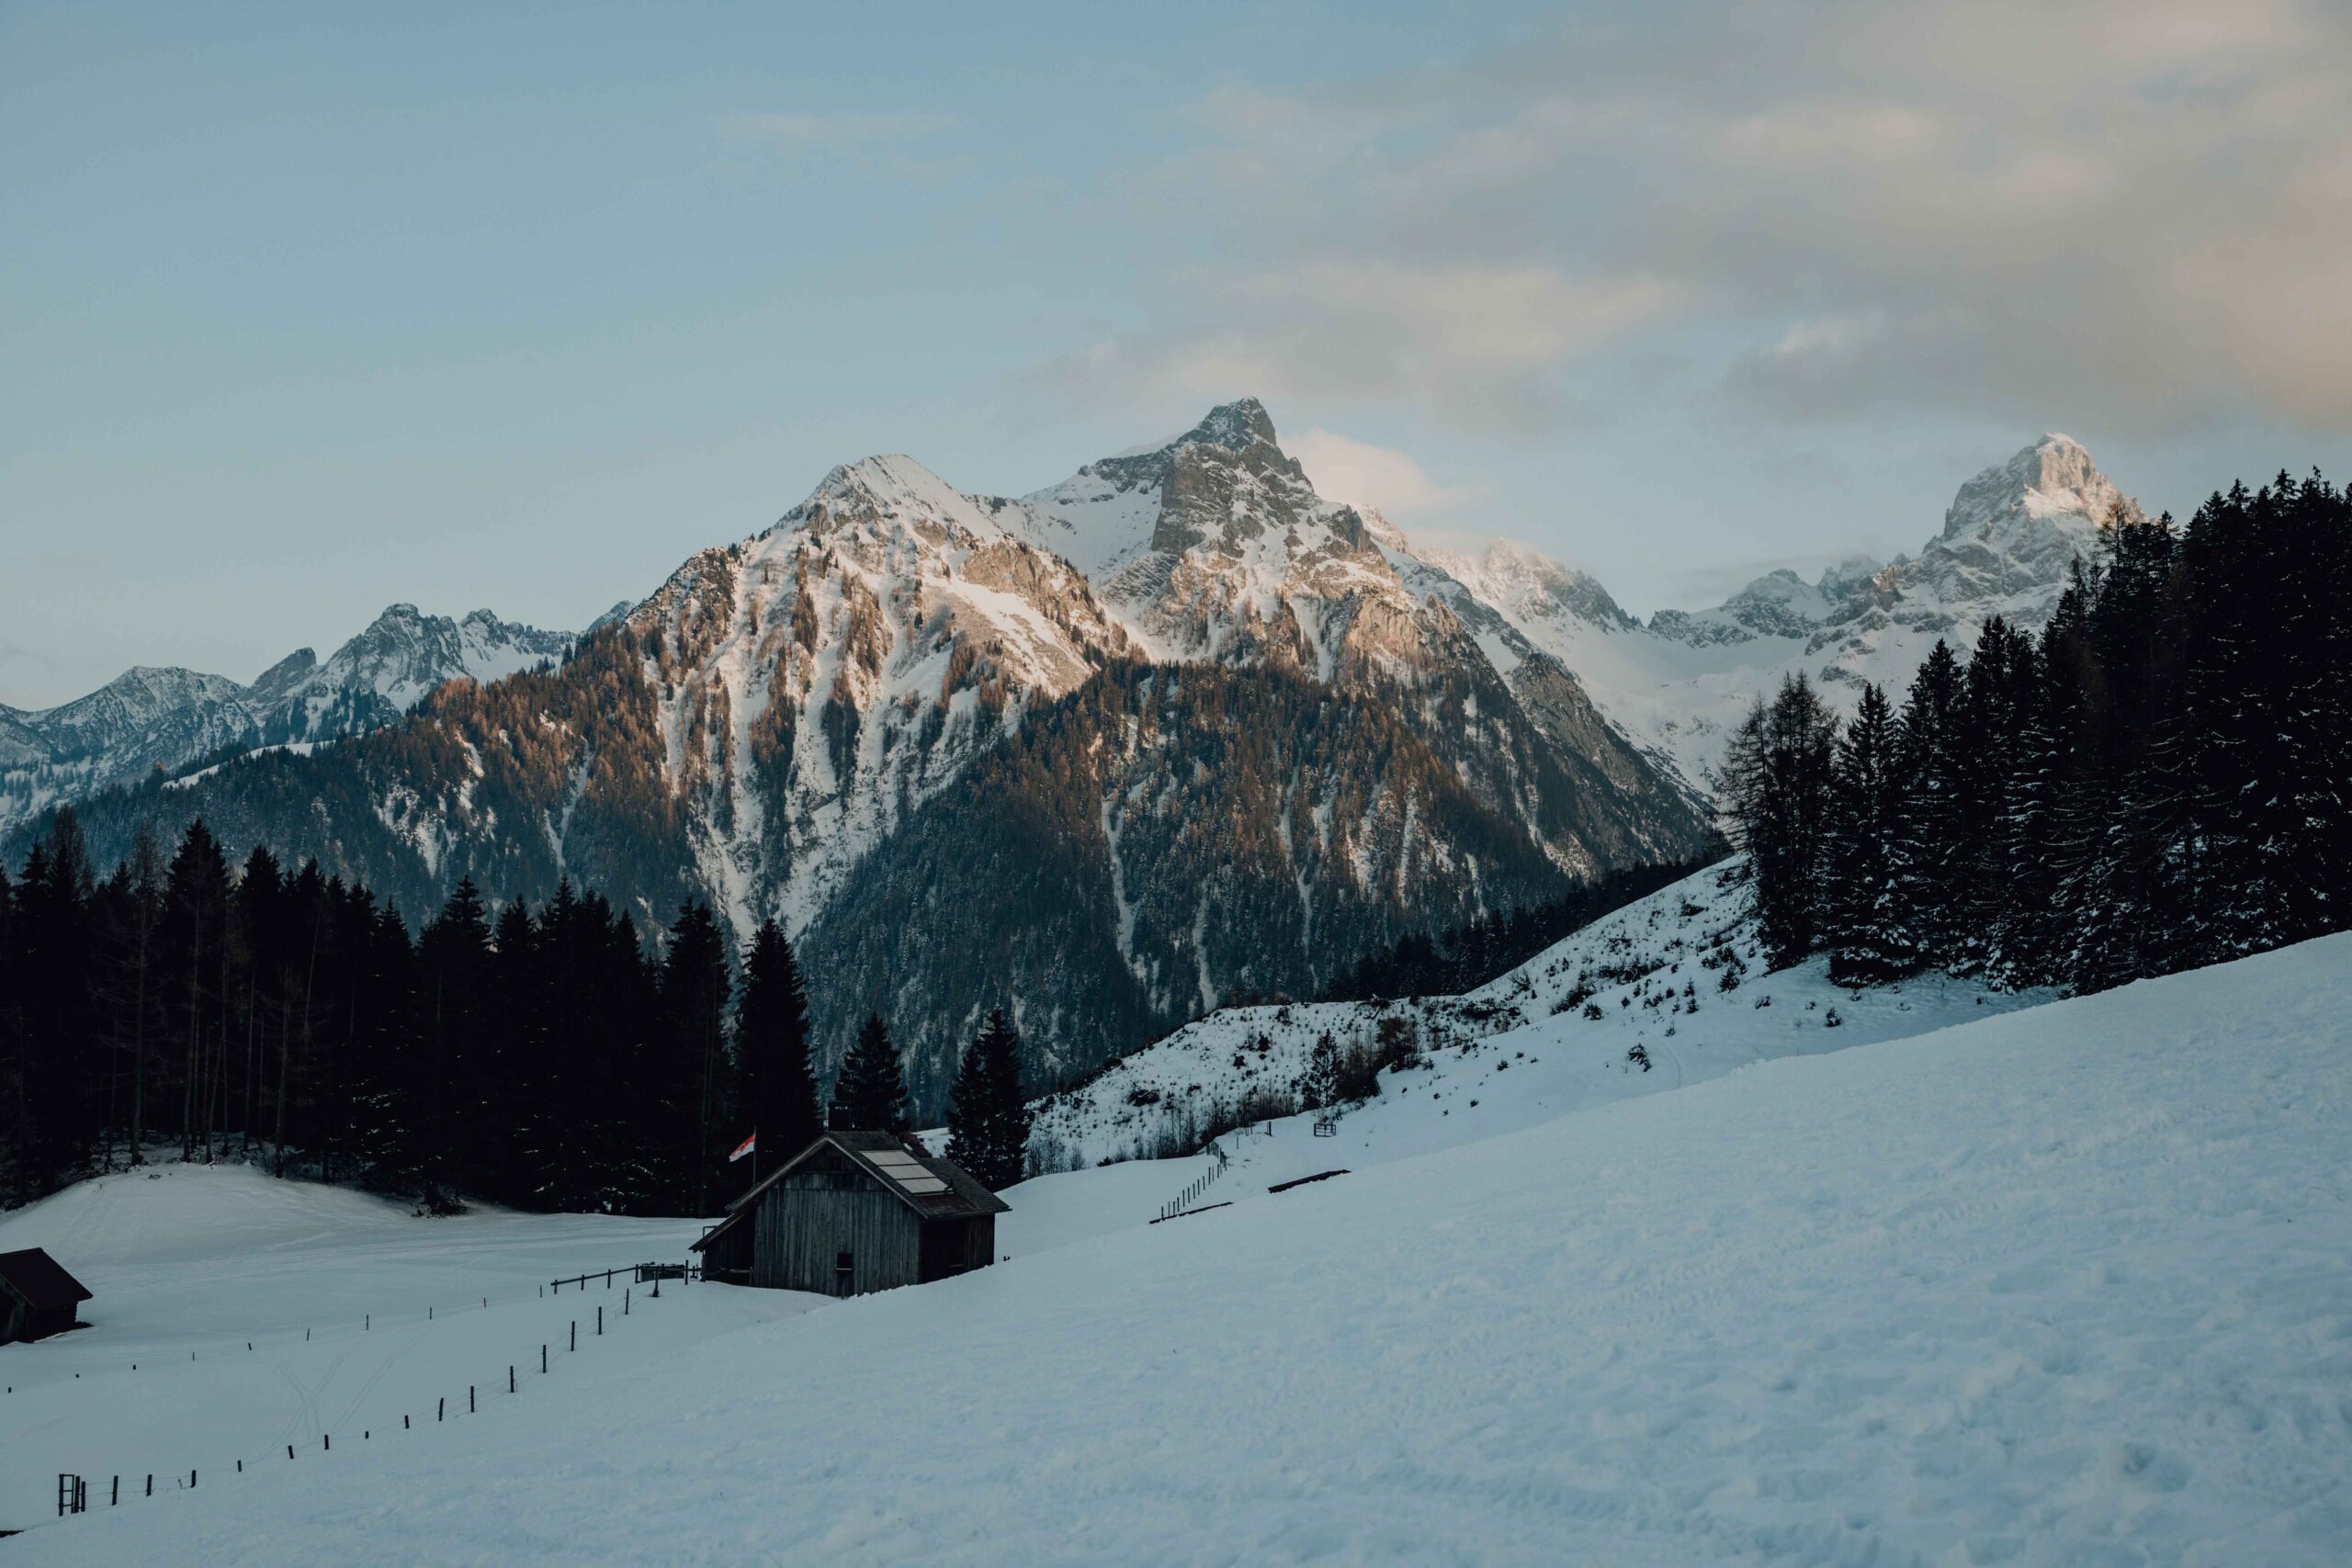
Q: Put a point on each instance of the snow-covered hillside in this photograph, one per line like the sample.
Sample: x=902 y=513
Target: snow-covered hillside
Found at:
x=2068 y=1285
x=1675 y=976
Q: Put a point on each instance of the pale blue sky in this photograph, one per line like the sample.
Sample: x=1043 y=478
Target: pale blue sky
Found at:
x=305 y=310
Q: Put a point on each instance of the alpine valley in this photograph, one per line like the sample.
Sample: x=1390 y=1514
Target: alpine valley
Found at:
x=1174 y=733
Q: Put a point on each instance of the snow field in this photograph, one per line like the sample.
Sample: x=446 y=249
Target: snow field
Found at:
x=359 y=1313
x=2070 y=1285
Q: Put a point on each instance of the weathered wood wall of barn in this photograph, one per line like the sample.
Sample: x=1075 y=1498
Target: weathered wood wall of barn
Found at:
x=809 y=1218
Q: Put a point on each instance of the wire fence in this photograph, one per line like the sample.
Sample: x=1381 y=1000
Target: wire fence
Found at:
x=1220 y=1161
x=78 y=1494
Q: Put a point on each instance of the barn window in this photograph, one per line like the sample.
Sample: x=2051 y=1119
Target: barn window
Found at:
x=844 y=1268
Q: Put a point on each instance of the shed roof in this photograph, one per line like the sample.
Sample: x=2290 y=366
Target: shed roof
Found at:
x=40 y=1280
x=958 y=1193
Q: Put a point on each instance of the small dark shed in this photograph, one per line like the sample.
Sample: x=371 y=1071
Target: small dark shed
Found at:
x=852 y=1213
x=38 y=1298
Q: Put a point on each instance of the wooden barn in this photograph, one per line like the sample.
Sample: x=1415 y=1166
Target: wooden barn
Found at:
x=38 y=1297
x=852 y=1213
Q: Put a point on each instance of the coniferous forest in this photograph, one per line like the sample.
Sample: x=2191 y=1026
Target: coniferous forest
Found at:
x=2155 y=783
x=550 y=1059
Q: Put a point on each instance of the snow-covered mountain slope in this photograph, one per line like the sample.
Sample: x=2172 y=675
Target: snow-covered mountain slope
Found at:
x=2064 y=1286
x=899 y=617
x=1111 y=797
x=1677 y=975
x=148 y=718
x=1679 y=684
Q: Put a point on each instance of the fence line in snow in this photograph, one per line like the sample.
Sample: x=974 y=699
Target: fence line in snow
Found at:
x=73 y=1490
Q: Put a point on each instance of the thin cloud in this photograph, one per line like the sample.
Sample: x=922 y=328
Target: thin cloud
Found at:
x=1480 y=344
x=837 y=129
x=1382 y=478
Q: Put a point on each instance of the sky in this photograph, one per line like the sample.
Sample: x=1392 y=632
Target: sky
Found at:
x=306 y=310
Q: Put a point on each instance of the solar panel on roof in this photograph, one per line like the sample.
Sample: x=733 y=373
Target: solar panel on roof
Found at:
x=908 y=1172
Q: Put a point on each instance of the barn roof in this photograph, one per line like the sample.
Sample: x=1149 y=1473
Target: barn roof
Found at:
x=40 y=1280
x=935 y=1187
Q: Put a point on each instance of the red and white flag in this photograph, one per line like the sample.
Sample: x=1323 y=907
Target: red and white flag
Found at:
x=746 y=1146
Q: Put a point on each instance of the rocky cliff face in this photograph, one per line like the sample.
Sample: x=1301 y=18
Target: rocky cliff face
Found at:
x=1175 y=730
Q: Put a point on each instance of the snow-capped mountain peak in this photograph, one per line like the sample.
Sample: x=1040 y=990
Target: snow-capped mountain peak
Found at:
x=1108 y=515
x=151 y=716
x=1677 y=684
x=890 y=489
x=1215 y=542
x=2052 y=480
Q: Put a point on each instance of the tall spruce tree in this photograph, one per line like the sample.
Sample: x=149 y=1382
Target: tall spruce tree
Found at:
x=870 y=1094
x=778 y=1080
x=695 y=990
x=457 y=1016
x=1996 y=717
x=1775 y=800
x=988 y=1111
x=195 y=936
x=1930 y=828
x=1863 y=922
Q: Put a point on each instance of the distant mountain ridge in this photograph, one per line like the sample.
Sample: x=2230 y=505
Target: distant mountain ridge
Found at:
x=150 y=717
x=1676 y=683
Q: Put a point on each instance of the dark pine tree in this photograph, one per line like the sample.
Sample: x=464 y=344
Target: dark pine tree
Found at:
x=988 y=1113
x=1929 y=826
x=1996 y=718
x=870 y=1095
x=456 y=1020
x=695 y=987
x=194 y=946
x=1775 y=800
x=1863 y=921
x=777 y=1078
x=513 y=1048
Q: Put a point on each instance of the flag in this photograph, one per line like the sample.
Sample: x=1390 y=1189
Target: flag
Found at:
x=746 y=1146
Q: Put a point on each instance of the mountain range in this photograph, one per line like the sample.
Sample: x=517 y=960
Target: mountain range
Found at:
x=1174 y=732
x=170 y=719
x=1677 y=683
